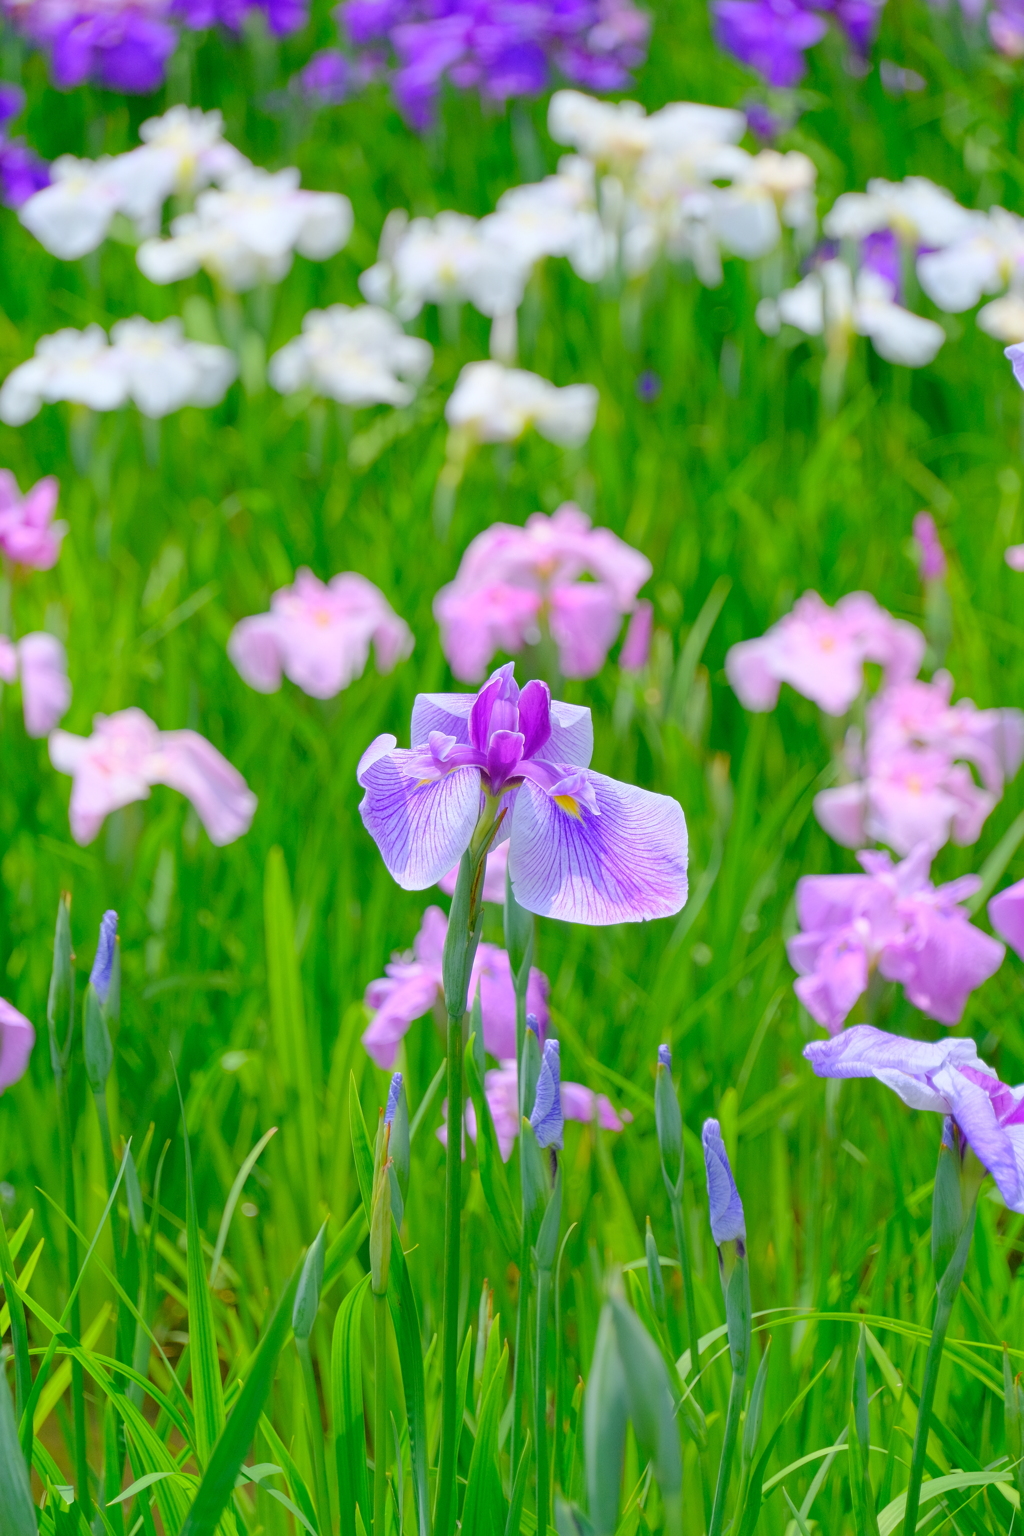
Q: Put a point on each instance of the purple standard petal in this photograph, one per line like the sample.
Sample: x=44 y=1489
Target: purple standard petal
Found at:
x=99 y=977
x=421 y=828
x=620 y=859
x=725 y=1205
x=908 y=1067
x=547 y=1120
x=393 y=1093
x=17 y=1037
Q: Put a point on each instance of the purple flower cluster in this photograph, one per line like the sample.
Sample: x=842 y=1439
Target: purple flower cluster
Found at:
x=771 y=37
x=124 y=45
x=501 y=48
x=21 y=170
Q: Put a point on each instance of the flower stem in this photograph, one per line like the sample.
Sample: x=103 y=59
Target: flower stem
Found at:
x=541 y=1401
x=380 y=1412
x=732 y=1424
x=689 y=1301
x=943 y=1311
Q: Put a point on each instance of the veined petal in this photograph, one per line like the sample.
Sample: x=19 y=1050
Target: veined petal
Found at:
x=572 y=735
x=447 y=712
x=625 y=864
x=421 y=829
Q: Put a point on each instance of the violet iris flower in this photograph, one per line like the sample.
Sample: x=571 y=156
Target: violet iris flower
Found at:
x=1006 y=914
x=769 y=36
x=511 y=762
x=728 y=1224
x=17 y=1037
x=947 y=1077
x=122 y=46
x=547 y=1119
x=99 y=977
x=21 y=170
x=414 y=985
x=891 y=918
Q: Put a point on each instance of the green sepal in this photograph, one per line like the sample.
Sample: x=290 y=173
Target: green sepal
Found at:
x=520 y=934
x=307 y=1295
x=531 y=1072
x=546 y=1246
x=655 y=1279
x=60 y=1002
x=461 y=940
x=535 y=1180
x=735 y=1273
x=97 y=1049
x=650 y=1401
x=605 y=1414
x=668 y=1121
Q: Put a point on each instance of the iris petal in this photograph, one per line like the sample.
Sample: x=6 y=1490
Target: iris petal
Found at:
x=421 y=829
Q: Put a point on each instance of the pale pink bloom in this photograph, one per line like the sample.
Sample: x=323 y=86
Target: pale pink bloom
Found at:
x=41 y=663
x=127 y=754
x=913 y=784
x=494 y=876
x=637 y=644
x=17 y=1037
x=1015 y=557
x=821 y=651
x=1006 y=914
x=515 y=583
x=319 y=635
x=413 y=984
x=931 y=555
x=28 y=534
x=501 y=1089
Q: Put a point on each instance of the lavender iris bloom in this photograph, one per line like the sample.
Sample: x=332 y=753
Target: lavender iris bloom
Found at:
x=547 y=1119
x=21 y=170
x=101 y=967
x=393 y=1092
x=947 y=1077
x=582 y=847
x=726 y=1208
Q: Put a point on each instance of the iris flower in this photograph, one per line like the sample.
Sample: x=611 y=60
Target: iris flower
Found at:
x=511 y=762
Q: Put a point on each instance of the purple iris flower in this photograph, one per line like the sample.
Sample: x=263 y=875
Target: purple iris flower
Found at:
x=547 y=1119
x=21 y=170
x=769 y=36
x=727 y=1221
x=394 y=1091
x=1006 y=914
x=948 y=1077
x=283 y=16
x=101 y=967
x=327 y=79
x=122 y=50
x=511 y=762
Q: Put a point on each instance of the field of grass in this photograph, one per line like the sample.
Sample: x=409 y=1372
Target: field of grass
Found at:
x=244 y=967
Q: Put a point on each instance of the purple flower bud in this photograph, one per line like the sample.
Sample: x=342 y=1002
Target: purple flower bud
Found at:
x=727 y=1222
x=547 y=1120
x=532 y=1022
x=393 y=1093
x=101 y=966
x=665 y=1057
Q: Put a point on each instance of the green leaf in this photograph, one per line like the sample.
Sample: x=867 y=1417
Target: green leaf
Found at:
x=17 y=1516
x=519 y=1487
x=650 y=1400
x=307 y=1294
x=229 y=1452
x=405 y=1319
x=347 y=1408
x=207 y=1387
x=345 y=1246
x=362 y=1151
x=933 y=1488
x=493 y=1172
x=484 y=1510
x=288 y=1022
x=604 y=1427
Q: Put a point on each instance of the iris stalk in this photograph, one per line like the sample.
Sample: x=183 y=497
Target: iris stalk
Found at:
x=459 y=950
x=520 y=941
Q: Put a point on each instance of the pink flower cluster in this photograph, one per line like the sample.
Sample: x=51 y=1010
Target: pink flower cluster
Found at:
x=28 y=534
x=913 y=775
x=558 y=577
x=891 y=918
x=40 y=662
x=319 y=635
x=501 y=1089
x=820 y=652
x=126 y=755
x=412 y=987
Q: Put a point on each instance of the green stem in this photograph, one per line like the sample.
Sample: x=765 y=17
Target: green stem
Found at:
x=540 y=1418
x=380 y=1413
x=316 y=1433
x=690 y=1303
x=80 y=1449
x=445 y=1512
x=943 y=1311
x=732 y=1424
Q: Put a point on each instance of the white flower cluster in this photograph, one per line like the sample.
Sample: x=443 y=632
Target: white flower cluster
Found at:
x=152 y=365
x=358 y=356
x=181 y=153
x=494 y=404
x=244 y=228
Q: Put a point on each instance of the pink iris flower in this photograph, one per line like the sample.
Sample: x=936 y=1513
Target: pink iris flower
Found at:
x=127 y=754
x=319 y=635
x=1006 y=914
x=41 y=663
x=913 y=781
x=28 y=534
x=414 y=985
x=501 y=1089
x=891 y=918
x=558 y=576
x=820 y=652
x=930 y=554
x=17 y=1037
x=1015 y=557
